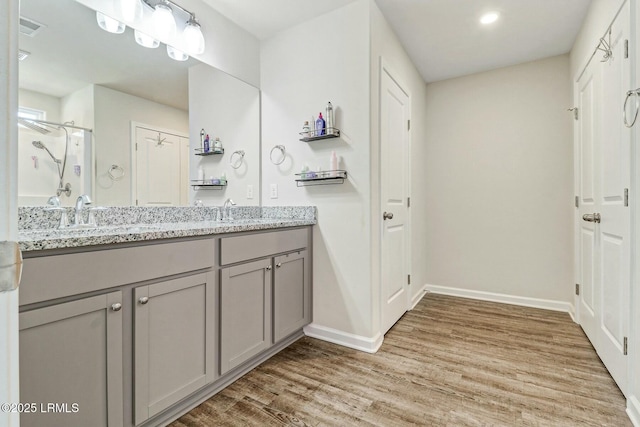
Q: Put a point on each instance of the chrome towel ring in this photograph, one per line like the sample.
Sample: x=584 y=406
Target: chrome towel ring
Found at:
x=237 y=158
x=282 y=150
x=635 y=93
x=116 y=172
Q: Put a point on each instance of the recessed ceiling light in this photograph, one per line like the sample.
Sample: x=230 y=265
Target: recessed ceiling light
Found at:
x=489 y=18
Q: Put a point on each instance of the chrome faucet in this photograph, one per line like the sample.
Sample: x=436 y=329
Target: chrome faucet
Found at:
x=81 y=202
x=53 y=204
x=226 y=210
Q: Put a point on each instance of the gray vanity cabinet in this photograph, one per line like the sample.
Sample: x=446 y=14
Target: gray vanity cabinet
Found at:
x=245 y=312
x=291 y=294
x=71 y=355
x=174 y=341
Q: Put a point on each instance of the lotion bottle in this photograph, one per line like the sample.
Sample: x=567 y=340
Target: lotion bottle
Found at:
x=333 y=164
x=320 y=126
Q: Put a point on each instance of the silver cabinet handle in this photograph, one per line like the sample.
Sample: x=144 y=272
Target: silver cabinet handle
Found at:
x=387 y=215
x=278 y=265
x=594 y=217
x=269 y=267
x=116 y=307
x=143 y=300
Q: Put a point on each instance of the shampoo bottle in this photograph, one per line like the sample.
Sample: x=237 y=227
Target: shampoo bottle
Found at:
x=206 y=144
x=329 y=118
x=333 y=164
x=321 y=126
x=217 y=145
x=306 y=130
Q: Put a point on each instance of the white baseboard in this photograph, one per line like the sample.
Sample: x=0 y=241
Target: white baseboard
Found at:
x=357 y=342
x=633 y=410
x=503 y=298
x=417 y=297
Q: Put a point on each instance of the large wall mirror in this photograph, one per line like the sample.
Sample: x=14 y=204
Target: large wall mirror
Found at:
x=104 y=116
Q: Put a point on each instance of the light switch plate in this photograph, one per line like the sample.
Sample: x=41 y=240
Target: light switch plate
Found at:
x=249 y=192
x=274 y=191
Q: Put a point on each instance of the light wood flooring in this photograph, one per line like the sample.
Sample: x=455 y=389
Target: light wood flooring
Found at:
x=448 y=362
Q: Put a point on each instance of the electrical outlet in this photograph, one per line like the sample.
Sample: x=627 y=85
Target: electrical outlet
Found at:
x=249 y=192
x=274 y=191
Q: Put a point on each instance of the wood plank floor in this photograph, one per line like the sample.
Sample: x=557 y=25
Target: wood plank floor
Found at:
x=449 y=362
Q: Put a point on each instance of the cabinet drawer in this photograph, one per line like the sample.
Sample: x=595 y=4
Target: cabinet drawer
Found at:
x=252 y=246
x=57 y=276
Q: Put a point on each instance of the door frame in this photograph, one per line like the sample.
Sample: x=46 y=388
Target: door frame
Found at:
x=386 y=67
x=134 y=154
x=9 y=342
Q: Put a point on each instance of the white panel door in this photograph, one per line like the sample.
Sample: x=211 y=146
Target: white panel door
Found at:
x=604 y=215
x=394 y=142
x=160 y=169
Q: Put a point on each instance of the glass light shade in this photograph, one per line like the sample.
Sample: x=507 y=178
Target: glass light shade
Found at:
x=176 y=54
x=144 y=40
x=109 y=24
x=131 y=10
x=193 y=37
x=164 y=22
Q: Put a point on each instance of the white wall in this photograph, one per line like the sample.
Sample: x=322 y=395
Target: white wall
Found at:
x=114 y=112
x=39 y=101
x=302 y=68
x=227 y=108
x=385 y=44
x=499 y=182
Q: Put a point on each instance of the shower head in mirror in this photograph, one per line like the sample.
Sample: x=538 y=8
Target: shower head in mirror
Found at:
x=41 y=146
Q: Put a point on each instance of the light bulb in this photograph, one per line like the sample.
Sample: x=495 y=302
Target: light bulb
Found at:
x=144 y=40
x=131 y=10
x=164 y=22
x=193 y=37
x=109 y=24
x=489 y=18
x=176 y=54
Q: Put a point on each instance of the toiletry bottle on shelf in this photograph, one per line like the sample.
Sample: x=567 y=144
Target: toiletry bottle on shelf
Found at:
x=306 y=130
x=320 y=126
x=206 y=144
x=312 y=125
x=330 y=120
x=333 y=164
x=201 y=175
x=217 y=145
x=202 y=134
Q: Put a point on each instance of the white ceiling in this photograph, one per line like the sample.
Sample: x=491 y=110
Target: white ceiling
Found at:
x=443 y=37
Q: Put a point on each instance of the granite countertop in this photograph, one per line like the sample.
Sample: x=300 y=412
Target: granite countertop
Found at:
x=36 y=232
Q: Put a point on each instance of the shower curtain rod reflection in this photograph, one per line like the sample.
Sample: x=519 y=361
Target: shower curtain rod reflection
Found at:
x=60 y=125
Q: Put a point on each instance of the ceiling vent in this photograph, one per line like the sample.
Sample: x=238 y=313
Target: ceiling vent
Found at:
x=29 y=27
x=22 y=54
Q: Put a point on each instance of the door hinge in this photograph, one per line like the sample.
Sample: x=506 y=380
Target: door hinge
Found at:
x=577 y=289
x=408 y=202
x=577 y=201
x=626 y=197
x=626 y=49
x=408 y=124
x=408 y=279
x=625 y=346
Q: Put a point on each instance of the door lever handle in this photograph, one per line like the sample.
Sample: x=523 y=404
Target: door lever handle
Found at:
x=387 y=215
x=594 y=217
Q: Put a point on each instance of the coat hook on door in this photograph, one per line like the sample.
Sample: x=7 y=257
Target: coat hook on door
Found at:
x=605 y=46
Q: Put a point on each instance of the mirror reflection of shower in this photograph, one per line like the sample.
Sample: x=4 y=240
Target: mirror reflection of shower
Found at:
x=67 y=161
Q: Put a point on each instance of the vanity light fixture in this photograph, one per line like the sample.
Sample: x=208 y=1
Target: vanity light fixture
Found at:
x=109 y=24
x=131 y=10
x=176 y=54
x=489 y=18
x=164 y=21
x=193 y=36
x=144 y=40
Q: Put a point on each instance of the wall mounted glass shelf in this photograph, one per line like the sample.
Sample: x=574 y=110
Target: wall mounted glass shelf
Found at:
x=314 y=135
x=201 y=152
x=208 y=184
x=321 y=178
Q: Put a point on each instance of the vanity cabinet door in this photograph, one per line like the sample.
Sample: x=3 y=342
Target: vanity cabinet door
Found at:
x=291 y=294
x=71 y=363
x=245 y=312
x=174 y=336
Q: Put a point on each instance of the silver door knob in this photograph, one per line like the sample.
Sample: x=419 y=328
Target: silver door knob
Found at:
x=278 y=265
x=143 y=300
x=116 y=307
x=268 y=267
x=594 y=217
x=387 y=215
